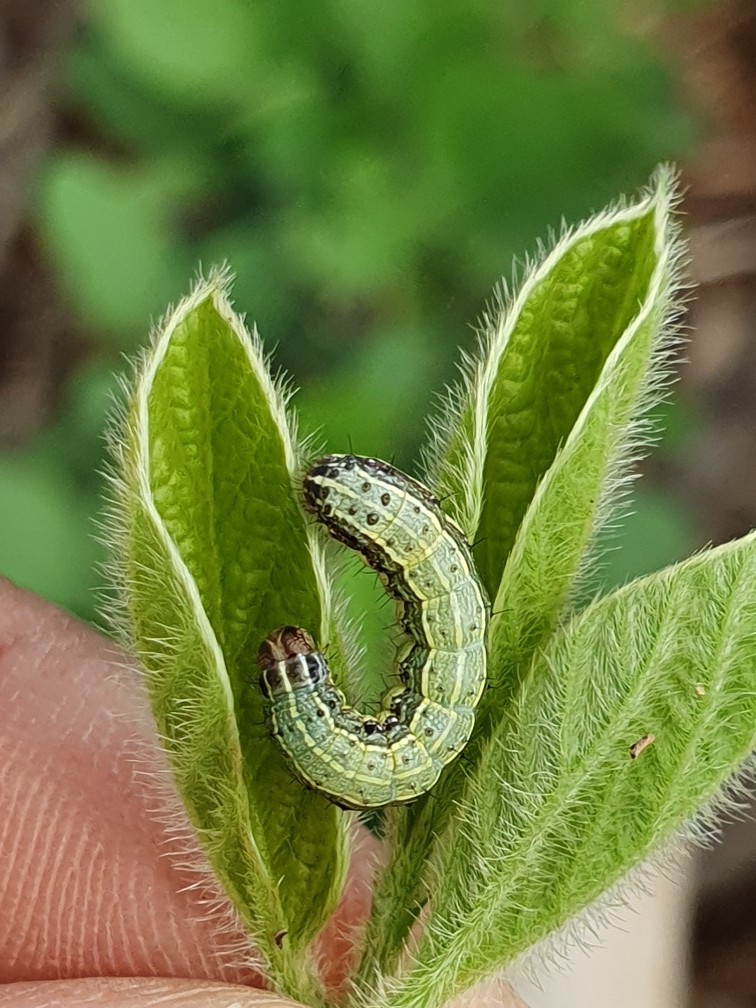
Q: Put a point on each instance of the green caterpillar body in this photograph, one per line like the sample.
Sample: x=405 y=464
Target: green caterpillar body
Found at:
x=365 y=762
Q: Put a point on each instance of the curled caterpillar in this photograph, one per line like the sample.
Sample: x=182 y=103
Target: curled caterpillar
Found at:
x=359 y=761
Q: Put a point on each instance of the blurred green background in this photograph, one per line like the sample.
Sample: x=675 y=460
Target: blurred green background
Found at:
x=368 y=171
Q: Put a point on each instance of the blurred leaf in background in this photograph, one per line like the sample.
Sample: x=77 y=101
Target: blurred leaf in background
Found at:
x=367 y=170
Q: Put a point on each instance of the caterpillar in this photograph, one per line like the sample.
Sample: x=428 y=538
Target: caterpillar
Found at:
x=356 y=760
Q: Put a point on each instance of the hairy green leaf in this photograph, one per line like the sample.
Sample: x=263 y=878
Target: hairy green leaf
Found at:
x=542 y=354
x=215 y=553
x=560 y=809
x=583 y=484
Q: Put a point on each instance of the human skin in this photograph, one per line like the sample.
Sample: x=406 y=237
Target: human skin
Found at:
x=98 y=905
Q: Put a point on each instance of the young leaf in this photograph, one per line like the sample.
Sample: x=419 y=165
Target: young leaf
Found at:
x=541 y=357
x=214 y=554
x=561 y=809
x=566 y=369
x=584 y=483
